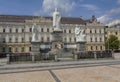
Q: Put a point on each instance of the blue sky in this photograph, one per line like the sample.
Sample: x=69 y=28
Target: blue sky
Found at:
x=104 y=10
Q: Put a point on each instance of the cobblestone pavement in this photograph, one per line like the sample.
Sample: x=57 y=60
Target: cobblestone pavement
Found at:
x=109 y=73
x=42 y=76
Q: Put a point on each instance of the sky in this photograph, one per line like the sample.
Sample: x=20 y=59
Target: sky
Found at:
x=104 y=10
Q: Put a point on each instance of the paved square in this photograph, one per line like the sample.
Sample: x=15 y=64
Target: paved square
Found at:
x=110 y=73
x=90 y=74
x=42 y=76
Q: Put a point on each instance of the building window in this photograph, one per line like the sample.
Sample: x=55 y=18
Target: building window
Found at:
x=16 y=49
x=91 y=48
x=41 y=29
x=4 y=40
x=22 y=49
x=22 y=39
x=75 y=39
x=3 y=49
x=70 y=39
x=100 y=39
x=96 y=47
x=3 y=30
x=10 y=40
x=95 y=39
x=47 y=29
x=22 y=30
x=95 y=31
x=10 y=49
x=30 y=29
x=48 y=39
x=90 y=31
x=65 y=39
x=90 y=39
x=69 y=31
x=30 y=39
x=10 y=30
x=29 y=48
x=100 y=31
x=42 y=39
x=16 y=30
x=64 y=31
x=16 y=39
x=100 y=47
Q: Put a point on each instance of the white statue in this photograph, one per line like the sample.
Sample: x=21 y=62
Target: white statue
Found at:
x=80 y=34
x=34 y=33
x=56 y=20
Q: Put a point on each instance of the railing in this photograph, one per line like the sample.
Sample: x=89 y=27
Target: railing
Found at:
x=33 y=58
x=54 y=57
x=17 y=58
x=97 y=54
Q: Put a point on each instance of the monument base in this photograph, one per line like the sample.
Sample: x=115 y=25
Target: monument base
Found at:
x=81 y=46
x=35 y=49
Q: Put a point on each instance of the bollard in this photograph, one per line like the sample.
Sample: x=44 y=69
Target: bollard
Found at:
x=8 y=59
x=33 y=58
x=76 y=57
x=113 y=54
x=55 y=57
x=95 y=56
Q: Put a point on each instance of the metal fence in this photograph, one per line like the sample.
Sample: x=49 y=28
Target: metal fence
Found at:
x=49 y=57
x=24 y=57
x=44 y=56
x=96 y=54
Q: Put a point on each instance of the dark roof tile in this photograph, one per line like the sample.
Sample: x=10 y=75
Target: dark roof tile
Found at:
x=21 y=19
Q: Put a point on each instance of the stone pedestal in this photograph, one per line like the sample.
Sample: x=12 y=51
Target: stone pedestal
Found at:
x=57 y=40
x=35 y=49
x=81 y=46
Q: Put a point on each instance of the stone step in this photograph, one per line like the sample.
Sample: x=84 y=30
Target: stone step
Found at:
x=64 y=65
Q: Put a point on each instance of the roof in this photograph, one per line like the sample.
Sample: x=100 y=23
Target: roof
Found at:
x=21 y=19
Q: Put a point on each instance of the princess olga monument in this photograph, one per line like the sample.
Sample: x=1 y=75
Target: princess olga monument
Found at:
x=57 y=45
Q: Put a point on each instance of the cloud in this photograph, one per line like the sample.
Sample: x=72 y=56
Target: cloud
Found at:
x=89 y=7
x=114 y=22
x=107 y=17
x=118 y=2
x=64 y=6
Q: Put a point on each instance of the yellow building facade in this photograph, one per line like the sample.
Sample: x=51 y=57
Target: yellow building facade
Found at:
x=16 y=33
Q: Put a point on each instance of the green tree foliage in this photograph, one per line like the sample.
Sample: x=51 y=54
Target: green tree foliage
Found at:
x=112 y=43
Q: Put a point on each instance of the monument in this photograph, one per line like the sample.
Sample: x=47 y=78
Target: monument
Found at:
x=35 y=49
x=34 y=33
x=56 y=20
x=80 y=38
x=57 y=32
x=57 y=43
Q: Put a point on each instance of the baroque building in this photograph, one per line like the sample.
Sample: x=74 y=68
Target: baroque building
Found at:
x=16 y=33
x=113 y=28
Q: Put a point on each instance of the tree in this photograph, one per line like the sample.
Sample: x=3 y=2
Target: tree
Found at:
x=112 y=43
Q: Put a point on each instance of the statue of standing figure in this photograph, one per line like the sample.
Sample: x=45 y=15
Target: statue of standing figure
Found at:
x=56 y=20
x=80 y=34
x=34 y=33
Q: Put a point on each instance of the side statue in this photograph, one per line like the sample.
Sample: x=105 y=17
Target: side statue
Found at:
x=56 y=20
x=80 y=34
x=34 y=33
